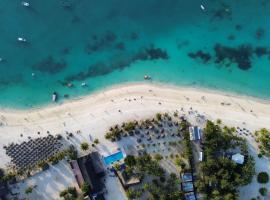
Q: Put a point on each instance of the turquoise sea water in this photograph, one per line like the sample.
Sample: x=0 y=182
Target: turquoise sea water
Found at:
x=226 y=46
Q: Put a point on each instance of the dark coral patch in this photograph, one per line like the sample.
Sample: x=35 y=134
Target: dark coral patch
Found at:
x=260 y=33
x=119 y=63
x=134 y=36
x=204 y=57
x=240 y=55
x=261 y=51
x=120 y=46
x=238 y=27
x=50 y=65
x=231 y=37
x=100 y=42
x=156 y=53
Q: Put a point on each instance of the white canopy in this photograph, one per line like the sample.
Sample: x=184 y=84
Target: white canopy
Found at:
x=238 y=158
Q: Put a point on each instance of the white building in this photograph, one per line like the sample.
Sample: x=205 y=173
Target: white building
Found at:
x=238 y=158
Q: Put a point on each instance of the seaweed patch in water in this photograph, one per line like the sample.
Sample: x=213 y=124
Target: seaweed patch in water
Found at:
x=156 y=53
x=119 y=63
x=260 y=33
x=225 y=55
x=224 y=12
x=120 y=46
x=99 y=43
x=204 y=57
x=240 y=55
x=261 y=51
x=50 y=65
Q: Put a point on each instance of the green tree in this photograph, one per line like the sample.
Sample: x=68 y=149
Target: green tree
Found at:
x=28 y=190
x=263 y=191
x=158 y=157
x=85 y=188
x=263 y=177
x=96 y=141
x=130 y=160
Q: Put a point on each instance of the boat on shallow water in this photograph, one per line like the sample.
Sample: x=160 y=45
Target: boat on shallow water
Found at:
x=21 y=39
x=26 y=4
x=146 y=77
x=54 y=97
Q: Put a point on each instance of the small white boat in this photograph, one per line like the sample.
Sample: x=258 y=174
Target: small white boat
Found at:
x=54 y=97
x=83 y=84
x=202 y=7
x=26 y=4
x=146 y=77
x=21 y=39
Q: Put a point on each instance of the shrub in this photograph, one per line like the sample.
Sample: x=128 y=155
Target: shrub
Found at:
x=158 y=116
x=263 y=177
x=263 y=191
x=260 y=155
x=158 y=157
x=84 y=146
x=96 y=141
x=28 y=190
x=85 y=188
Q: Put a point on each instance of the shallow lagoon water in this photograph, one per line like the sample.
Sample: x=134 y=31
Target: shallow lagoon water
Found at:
x=103 y=43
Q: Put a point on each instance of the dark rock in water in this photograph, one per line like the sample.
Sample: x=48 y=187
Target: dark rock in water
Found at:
x=65 y=51
x=120 y=46
x=110 y=37
x=134 y=36
x=231 y=37
x=49 y=65
x=238 y=27
x=260 y=33
x=224 y=12
x=205 y=57
x=260 y=51
x=100 y=43
x=156 y=53
x=240 y=55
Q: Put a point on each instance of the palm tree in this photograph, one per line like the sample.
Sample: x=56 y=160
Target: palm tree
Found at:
x=96 y=141
x=84 y=146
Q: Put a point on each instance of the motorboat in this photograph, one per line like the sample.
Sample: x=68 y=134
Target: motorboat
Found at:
x=146 y=77
x=21 y=39
x=26 y=4
x=83 y=84
x=54 y=97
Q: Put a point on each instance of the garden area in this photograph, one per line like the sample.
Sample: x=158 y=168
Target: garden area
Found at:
x=220 y=176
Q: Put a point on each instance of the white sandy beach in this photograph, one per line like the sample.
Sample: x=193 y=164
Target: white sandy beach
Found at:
x=94 y=114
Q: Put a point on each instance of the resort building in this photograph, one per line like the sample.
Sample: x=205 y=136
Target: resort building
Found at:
x=187 y=186
x=90 y=169
x=238 y=158
x=195 y=133
x=127 y=181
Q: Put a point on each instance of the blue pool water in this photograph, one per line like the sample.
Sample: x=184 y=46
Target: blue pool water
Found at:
x=113 y=158
x=106 y=42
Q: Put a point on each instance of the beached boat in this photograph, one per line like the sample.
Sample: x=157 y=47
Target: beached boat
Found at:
x=54 y=97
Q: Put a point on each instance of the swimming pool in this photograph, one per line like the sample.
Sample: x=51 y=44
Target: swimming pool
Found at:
x=113 y=158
